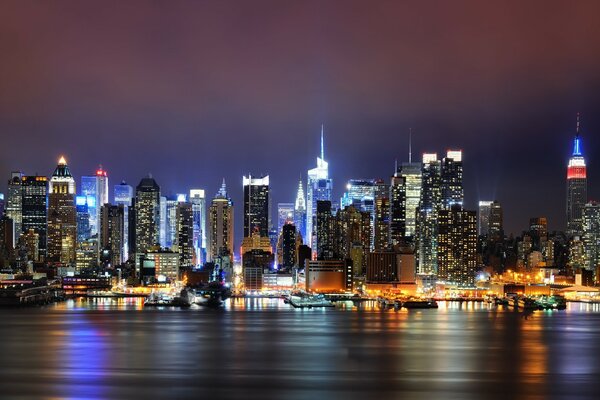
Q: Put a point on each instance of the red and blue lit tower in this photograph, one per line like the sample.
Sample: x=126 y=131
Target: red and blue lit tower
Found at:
x=576 y=186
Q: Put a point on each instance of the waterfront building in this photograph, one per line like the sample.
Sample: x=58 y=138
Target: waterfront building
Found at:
x=457 y=246
x=591 y=235
x=328 y=276
x=256 y=206
x=384 y=266
x=62 y=215
x=576 y=186
x=352 y=237
x=318 y=188
x=34 y=206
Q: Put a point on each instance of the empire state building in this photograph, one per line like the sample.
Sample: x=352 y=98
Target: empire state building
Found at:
x=576 y=187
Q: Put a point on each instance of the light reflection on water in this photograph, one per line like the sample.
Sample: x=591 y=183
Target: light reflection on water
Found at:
x=262 y=348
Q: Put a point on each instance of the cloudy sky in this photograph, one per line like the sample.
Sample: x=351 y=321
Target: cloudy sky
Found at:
x=195 y=91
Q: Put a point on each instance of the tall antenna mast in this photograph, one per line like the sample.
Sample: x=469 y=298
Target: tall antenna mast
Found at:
x=322 y=145
x=578 y=123
x=409 y=145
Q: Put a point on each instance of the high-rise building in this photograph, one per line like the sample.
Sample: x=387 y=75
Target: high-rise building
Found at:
x=112 y=234
x=285 y=215
x=429 y=207
x=538 y=230
x=576 y=186
x=34 y=208
x=452 y=179
x=381 y=216
x=2 y=204
x=352 y=237
x=200 y=240
x=318 y=187
x=123 y=194
x=359 y=193
x=96 y=187
x=169 y=219
x=84 y=231
x=300 y=211
x=483 y=217
x=324 y=231
x=457 y=246
x=185 y=234
x=147 y=215
x=288 y=254
x=398 y=208
x=411 y=173
x=220 y=231
x=256 y=206
x=496 y=227
x=14 y=204
x=62 y=215
x=591 y=235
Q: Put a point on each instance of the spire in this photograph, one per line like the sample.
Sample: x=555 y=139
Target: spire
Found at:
x=62 y=161
x=222 y=190
x=322 y=145
x=577 y=140
x=409 y=145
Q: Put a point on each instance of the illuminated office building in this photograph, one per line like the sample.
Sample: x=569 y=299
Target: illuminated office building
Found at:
x=112 y=233
x=96 y=187
x=397 y=208
x=452 y=179
x=84 y=231
x=34 y=208
x=324 y=231
x=14 y=204
x=220 y=231
x=411 y=173
x=381 y=216
x=62 y=215
x=429 y=207
x=318 y=188
x=185 y=234
x=147 y=215
x=591 y=235
x=483 y=218
x=198 y=200
x=285 y=215
x=123 y=195
x=256 y=206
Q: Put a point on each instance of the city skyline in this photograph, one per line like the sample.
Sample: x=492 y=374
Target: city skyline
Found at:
x=108 y=98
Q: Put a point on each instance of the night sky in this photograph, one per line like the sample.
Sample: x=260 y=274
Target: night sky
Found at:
x=194 y=92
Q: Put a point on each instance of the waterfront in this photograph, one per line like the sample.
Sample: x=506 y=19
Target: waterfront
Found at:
x=264 y=349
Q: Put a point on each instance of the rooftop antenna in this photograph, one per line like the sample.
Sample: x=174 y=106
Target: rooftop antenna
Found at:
x=409 y=145
x=396 y=165
x=322 y=146
x=578 y=123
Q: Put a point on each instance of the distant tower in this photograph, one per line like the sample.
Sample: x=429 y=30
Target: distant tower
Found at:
x=123 y=194
x=147 y=215
x=14 y=204
x=62 y=215
x=452 y=179
x=457 y=245
x=35 y=210
x=198 y=200
x=300 y=211
x=318 y=187
x=256 y=206
x=112 y=234
x=220 y=231
x=95 y=188
x=576 y=186
x=429 y=208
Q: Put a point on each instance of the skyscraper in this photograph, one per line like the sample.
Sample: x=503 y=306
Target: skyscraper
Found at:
x=14 y=204
x=318 y=187
x=35 y=210
x=411 y=172
x=83 y=219
x=576 y=186
x=457 y=246
x=429 y=207
x=220 y=232
x=123 y=194
x=147 y=215
x=62 y=215
x=324 y=231
x=256 y=206
x=112 y=234
x=483 y=217
x=496 y=221
x=300 y=212
x=185 y=234
x=398 y=207
x=452 y=179
x=96 y=187
x=381 y=216
x=591 y=236
x=198 y=200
